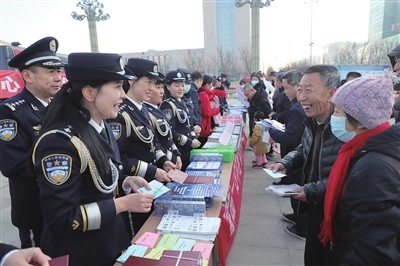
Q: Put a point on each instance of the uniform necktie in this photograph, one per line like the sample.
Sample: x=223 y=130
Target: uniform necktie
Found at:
x=104 y=134
x=144 y=112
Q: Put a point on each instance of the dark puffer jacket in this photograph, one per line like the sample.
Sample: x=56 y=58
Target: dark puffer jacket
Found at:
x=367 y=216
x=330 y=145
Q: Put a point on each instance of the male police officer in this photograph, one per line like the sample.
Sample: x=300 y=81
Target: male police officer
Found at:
x=20 y=120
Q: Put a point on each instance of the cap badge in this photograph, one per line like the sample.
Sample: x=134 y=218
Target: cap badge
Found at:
x=52 y=46
x=178 y=75
x=121 y=63
x=155 y=68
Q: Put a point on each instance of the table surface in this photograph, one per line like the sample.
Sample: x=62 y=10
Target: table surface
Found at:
x=216 y=203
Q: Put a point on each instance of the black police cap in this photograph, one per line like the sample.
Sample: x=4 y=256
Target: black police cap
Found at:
x=186 y=73
x=41 y=53
x=143 y=67
x=224 y=75
x=175 y=76
x=96 y=66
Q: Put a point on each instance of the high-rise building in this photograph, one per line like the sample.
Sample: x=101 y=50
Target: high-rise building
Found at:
x=384 y=21
x=227 y=29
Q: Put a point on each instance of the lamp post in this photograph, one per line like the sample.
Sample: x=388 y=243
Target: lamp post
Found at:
x=311 y=29
x=255 y=28
x=94 y=12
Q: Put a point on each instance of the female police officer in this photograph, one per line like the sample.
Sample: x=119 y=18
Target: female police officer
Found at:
x=178 y=114
x=161 y=124
x=141 y=153
x=78 y=165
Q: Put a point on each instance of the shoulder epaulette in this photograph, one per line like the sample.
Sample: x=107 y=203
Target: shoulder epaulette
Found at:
x=15 y=105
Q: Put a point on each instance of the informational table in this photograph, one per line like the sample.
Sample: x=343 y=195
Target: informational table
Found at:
x=227 y=208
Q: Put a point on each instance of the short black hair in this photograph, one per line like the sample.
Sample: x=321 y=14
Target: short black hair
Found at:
x=259 y=115
x=196 y=75
x=353 y=74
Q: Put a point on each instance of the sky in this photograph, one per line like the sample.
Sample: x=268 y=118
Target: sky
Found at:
x=140 y=25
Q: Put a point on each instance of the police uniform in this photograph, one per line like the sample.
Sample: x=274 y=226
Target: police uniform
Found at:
x=140 y=150
x=178 y=114
x=79 y=216
x=78 y=204
x=163 y=131
x=20 y=121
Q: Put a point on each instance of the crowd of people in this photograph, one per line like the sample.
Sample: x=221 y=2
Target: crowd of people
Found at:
x=76 y=153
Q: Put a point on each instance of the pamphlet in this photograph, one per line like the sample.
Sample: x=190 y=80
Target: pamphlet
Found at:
x=282 y=190
x=157 y=189
x=273 y=174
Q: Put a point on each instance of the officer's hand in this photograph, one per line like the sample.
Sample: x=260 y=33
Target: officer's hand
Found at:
x=27 y=256
x=135 y=182
x=162 y=176
x=278 y=167
x=178 y=162
x=168 y=165
x=139 y=202
x=195 y=143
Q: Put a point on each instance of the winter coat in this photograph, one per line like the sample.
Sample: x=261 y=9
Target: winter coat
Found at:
x=367 y=215
x=259 y=102
x=281 y=106
x=256 y=139
x=207 y=113
x=294 y=127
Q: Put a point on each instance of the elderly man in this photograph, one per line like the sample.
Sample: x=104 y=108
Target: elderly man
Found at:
x=315 y=155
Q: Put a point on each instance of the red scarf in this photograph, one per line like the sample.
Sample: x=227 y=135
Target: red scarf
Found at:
x=337 y=177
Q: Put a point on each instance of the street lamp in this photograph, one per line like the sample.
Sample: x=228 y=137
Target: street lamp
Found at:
x=255 y=28
x=311 y=29
x=94 y=12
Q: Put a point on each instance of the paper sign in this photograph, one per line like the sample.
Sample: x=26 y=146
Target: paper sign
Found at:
x=148 y=239
x=133 y=250
x=155 y=253
x=167 y=241
x=184 y=244
x=204 y=248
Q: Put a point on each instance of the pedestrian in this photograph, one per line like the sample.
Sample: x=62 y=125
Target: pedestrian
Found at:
x=20 y=120
x=207 y=96
x=258 y=101
x=289 y=139
x=141 y=152
x=258 y=143
x=83 y=190
x=178 y=114
x=242 y=99
x=362 y=204
x=314 y=156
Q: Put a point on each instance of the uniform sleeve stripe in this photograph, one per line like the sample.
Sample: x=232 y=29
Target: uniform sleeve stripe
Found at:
x=182 y=140
x=142 y=168
x=169 y=155
x=94 y=216
x=84 y=218
x=159 y=154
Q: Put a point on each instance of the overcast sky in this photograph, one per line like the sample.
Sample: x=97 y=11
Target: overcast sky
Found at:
x=139 y=25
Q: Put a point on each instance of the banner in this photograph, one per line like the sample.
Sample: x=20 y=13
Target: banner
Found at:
x=230 y=211
x=11 y=83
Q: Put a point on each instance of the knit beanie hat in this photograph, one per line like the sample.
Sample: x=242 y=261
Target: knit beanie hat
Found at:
x=368 y=99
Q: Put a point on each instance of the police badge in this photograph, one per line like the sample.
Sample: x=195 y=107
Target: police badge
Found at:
x=57 y=168
x=116 y=129
x=8 y=129
x=168 y=113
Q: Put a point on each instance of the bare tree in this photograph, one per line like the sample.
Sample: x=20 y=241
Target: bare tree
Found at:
x=245 y=58
x=224 y=62
x=347 y=54
x=192 y=61
x=301 y=65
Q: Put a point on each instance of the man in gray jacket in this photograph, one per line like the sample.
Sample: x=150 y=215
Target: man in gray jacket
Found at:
x=315 y=155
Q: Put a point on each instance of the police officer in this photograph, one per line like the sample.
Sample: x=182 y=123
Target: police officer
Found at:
x=177 y=113
x=20 y=119
x=77 y=162
x=162 y=125
x=140 y=149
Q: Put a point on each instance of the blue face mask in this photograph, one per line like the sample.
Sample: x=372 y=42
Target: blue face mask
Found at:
x=254 y=83
x=187 y=88
x=338 y=126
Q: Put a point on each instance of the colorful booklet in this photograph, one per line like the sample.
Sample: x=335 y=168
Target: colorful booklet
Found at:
x=157 y=189
x=178 y=176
